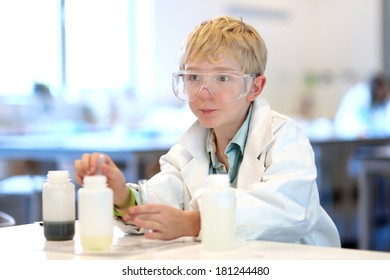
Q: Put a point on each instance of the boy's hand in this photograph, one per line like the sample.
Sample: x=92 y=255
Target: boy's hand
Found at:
x=163 y=221
x=88 y=165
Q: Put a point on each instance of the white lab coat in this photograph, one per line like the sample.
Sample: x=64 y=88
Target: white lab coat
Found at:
x=277 y=196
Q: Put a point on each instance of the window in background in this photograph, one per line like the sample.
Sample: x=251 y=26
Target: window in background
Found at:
x=30 y=45
x=93 y=55
x=97 y=44
x=108 y=58
x=73 y=46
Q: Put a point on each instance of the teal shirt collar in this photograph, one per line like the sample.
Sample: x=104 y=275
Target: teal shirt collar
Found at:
x=234 y=151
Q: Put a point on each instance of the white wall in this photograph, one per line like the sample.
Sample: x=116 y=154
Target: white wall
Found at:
x=334 y=43
x=347 y=39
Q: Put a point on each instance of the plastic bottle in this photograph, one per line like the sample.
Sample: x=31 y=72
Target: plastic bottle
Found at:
x=218 y=214
x=58 y=206
x=95 y=212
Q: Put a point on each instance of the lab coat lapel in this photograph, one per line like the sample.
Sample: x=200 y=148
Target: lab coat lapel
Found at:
x=196 y=170
x=194 y=174
x=259 y=136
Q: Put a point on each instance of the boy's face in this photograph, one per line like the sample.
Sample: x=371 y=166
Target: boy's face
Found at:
x=215 y=113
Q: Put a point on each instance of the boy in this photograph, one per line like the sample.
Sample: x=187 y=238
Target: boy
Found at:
x=269 y=160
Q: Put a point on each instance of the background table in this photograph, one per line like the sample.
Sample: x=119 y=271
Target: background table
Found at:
x=130 y=150
x=135 y=153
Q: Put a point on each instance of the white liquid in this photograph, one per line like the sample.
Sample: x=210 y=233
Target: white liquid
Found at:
x=58 y=197
x=219 y=228
x=218 y=219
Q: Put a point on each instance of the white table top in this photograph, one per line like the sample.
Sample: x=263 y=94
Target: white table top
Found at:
x=28 y=242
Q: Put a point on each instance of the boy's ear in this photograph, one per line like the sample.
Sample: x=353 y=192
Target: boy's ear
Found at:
x=257 y=87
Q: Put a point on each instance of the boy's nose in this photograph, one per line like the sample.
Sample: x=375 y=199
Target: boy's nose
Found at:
x=205 y=92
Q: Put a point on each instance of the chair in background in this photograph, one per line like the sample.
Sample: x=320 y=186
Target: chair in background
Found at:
x=374 y=202
x=20 y=197
x=6 y=220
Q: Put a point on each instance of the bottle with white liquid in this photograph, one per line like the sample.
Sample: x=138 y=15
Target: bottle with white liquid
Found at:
x=218 y=214
x=58 y=206
x=95 y=212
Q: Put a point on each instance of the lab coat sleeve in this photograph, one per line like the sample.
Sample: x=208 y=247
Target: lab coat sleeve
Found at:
x=167 y=186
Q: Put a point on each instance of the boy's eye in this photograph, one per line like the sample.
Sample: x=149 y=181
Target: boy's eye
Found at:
x=223 y=78
x=193 y=77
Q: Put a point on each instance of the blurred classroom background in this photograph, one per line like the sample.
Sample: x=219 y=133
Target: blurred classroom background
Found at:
x=81 y=76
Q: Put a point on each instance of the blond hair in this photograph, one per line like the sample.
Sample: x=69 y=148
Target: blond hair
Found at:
x=226 y=35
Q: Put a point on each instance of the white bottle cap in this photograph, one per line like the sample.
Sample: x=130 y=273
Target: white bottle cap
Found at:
x=58 y=175
x=95 y=181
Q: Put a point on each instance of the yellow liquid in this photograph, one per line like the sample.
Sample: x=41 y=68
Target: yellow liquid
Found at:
x=96 y=242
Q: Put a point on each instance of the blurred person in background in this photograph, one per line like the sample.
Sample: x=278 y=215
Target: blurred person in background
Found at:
x=43 y=93
x=364 y=111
